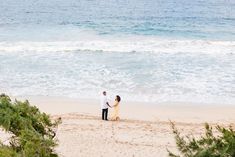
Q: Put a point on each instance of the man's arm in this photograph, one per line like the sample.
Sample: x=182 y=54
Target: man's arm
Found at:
x=108 y=104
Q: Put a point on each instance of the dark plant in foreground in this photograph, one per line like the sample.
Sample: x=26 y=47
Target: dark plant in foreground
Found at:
x=32 y=131
x=209 y=145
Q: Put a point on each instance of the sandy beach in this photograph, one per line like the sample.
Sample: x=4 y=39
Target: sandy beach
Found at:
x=144 y=129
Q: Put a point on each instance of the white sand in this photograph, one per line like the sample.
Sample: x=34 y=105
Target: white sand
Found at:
x=144 y=129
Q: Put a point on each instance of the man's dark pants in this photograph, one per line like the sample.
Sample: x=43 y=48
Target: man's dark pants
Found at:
x=105 y=114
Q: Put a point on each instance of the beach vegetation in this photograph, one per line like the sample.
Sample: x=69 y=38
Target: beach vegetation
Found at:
x=215 y=142
x=32 y=132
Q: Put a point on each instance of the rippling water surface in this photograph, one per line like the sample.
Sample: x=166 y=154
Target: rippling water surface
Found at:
x=153 y=51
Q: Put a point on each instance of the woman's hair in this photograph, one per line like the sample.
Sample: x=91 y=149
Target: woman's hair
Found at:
x=118 y=98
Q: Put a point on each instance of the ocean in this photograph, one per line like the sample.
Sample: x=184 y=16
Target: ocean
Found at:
x=143 y=50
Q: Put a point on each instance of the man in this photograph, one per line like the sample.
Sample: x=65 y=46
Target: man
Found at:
x=104 y=106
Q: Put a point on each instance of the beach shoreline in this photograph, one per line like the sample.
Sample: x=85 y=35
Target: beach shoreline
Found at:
x=182 y=112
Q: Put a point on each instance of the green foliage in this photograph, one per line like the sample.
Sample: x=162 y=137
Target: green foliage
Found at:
x=33 y=131
x=208 y=145
x=6 y=151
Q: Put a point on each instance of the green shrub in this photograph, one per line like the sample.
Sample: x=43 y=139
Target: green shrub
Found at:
x=32 y=131
x=6 y=151
x=208 y=145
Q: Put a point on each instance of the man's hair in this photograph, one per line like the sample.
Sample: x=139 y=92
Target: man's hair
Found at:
x=104 y=92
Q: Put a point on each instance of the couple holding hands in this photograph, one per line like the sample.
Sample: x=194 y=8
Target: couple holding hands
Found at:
x=105 y=105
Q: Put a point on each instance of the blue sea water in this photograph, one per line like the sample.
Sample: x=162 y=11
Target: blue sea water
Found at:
x=143 y=50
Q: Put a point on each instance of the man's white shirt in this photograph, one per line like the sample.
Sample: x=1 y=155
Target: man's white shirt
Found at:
x=103 y=102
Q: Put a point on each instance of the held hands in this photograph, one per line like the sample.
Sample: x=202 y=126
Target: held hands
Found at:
x=109 y=105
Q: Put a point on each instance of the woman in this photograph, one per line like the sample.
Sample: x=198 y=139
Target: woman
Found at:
x=115 y=115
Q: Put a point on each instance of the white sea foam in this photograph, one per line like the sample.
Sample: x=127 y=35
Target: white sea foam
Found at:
x=122 y=45
x=141 y=76
x=150 y=68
